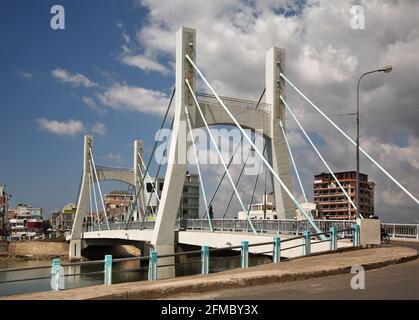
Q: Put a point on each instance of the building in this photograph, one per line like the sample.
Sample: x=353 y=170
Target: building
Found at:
x=25 y=222
x=332 y=202
x=3 y=211
x=309 y=207
x=67 y=216
x=118 y=204
x=189 y=202
x=263 y=210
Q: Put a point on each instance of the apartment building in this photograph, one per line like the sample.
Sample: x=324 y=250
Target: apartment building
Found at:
x=332 y=202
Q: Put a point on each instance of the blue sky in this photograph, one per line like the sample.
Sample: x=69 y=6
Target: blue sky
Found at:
x=40 y=168
x=110 y=73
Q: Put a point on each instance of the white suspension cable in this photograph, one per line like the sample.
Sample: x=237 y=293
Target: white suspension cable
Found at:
x=149 y=200
x=318 y=153
x=322 y=237
x=292 y=160
x=198 y=167
x=351 y=140
x=148 y=176
x=100 y=190
x=94 y=194
x=220 y=156
x=142 y=199
x=90 y=203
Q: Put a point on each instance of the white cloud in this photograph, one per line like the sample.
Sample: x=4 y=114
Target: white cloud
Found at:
x=99 y=128
x=113 y=157
x=71 y=127
x=128 y=98
x=24 y=74
x=75 y=80
x=143 y=63
x=89 y=101
x=324 y=58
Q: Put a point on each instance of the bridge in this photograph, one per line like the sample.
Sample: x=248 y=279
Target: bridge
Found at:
x=194 y=110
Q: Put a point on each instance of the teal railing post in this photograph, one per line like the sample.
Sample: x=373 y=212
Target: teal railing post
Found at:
x=55 y=274
x=245 y=254
x=333 y=238
x=356 y=235
x=277 y=249
x=108 y=270
x=204 y=260
x=152 y=266
x=307 y=243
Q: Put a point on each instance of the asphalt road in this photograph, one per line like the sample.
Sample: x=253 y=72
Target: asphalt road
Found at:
x=392 y=282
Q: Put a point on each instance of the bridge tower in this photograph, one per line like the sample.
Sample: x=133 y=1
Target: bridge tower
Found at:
x=129 y=176
x=164 y=237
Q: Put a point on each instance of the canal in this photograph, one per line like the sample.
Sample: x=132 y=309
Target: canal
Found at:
x=88 y=275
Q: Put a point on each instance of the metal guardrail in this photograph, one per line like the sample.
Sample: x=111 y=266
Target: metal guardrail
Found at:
x=283 y=226
x=56 y=275
x=399 y=230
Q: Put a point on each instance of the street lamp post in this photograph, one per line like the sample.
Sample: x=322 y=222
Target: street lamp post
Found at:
x=385 y=69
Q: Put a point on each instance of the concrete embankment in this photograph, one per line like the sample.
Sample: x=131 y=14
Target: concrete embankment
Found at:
x=296 y=269
x=37 y=249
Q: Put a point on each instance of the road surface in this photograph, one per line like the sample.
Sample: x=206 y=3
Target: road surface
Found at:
x=392 y=282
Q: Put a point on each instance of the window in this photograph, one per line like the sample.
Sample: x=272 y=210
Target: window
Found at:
x=161 y=186
x=150 y=187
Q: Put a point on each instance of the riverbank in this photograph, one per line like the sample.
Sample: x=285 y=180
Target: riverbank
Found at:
x=296 y=269
x=34 y=250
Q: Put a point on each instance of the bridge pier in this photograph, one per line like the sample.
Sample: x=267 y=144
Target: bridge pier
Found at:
x=75 y=249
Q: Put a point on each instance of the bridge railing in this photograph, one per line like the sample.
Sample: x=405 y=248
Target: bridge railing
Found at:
x=399 y=230
x=282 y=226
x=57 y=274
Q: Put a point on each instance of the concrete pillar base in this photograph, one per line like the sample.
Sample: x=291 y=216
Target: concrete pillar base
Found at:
x=75 y=250
x=165 y=272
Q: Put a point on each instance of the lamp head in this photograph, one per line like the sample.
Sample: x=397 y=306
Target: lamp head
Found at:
x=386 y=69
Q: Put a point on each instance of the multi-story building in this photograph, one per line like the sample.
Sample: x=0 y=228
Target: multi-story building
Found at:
x=3 y=211
x=332 y=202
x=25 y=223
x=263 y=210
x=189 y=202
x=117 y=204
x=67 y=216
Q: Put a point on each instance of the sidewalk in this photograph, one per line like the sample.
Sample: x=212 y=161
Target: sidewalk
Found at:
x=296 y=269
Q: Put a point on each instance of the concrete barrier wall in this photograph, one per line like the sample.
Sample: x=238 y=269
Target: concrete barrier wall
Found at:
x=4 y=249
x=38 y=248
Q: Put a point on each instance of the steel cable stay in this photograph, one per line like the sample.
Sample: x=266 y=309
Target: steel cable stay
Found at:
x=293 y=161
x=256 y=181
x=234 y=153
x=99 y=188
x=148 y=203
x=351 y=140
x=219 y=153
x=137 y=193
x=198 y=167
x=94 y=194
x=318 y=153
x=148 y=176
x=90 y=204
x=239 y=177
x=158 y=172
x=266 y=162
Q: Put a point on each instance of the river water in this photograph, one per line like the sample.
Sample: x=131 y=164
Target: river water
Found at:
x=126 y=271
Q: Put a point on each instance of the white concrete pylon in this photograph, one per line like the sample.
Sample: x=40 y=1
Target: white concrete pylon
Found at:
x=89 y=178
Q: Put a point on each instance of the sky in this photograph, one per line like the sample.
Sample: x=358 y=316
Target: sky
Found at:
x=110 y=74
